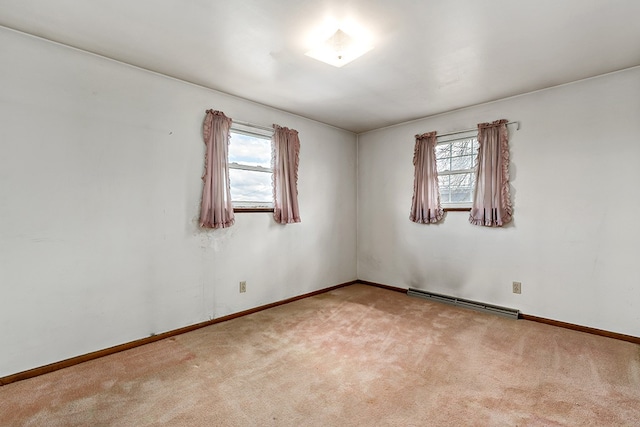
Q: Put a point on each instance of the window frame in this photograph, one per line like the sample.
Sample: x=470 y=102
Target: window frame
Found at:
x=261 y=134
x=450 y=139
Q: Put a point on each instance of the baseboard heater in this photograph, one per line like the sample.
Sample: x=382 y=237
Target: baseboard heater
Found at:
x=460 y=302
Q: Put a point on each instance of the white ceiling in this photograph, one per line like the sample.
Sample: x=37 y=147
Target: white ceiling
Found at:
x=430 y=56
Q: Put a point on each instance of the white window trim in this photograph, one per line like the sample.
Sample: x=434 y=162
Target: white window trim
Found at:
x=244 y=167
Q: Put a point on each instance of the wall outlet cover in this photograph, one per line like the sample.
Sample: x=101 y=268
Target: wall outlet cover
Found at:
x=517 y=287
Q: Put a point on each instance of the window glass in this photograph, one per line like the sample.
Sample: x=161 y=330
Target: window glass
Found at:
x=250 y=150
x=250 y=173
x=456 y=161
x=462 y=162
x=250 y=186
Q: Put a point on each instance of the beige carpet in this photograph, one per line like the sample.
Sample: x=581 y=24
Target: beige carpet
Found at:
x=356 y=356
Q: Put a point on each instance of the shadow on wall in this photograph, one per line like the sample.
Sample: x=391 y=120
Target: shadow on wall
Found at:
x=434 y=267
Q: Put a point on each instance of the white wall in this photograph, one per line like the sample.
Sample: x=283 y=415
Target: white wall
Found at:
x=575 y=239
x=100 y=188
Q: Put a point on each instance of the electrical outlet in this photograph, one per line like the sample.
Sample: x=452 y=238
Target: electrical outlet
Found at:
x=517 y=287
x=243 y=286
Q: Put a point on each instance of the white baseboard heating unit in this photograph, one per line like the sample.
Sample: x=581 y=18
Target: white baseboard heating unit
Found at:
x=460 y=302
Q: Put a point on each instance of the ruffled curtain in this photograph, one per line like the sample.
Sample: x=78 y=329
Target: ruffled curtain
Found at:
x=425 y=205
x=216 y=210
x=491 y=198
x=286 y=150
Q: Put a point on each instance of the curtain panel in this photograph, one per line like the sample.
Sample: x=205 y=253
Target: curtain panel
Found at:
x=491 y=198
x=286 y=151
x=216 y=210
x=425 y=205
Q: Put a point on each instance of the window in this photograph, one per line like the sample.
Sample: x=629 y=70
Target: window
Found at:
x=250 y=172
x=456 y=159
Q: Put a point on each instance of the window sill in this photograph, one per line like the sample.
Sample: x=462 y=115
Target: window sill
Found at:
x=252 y=210
x=457 y=209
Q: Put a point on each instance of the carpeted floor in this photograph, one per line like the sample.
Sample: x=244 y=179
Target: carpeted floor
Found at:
x=356 y=356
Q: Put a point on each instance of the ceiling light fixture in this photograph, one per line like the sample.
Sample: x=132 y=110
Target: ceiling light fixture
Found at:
x=339 y=49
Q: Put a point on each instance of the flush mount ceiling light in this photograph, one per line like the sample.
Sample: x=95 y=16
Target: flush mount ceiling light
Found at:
x=339 y=49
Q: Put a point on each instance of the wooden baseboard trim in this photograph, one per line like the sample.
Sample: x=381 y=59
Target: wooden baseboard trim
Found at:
x=137 y=343
x=380 y=285
x=594 y=331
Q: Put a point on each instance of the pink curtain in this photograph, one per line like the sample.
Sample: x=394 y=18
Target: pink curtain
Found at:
x=491 y=198
x=286 y=150
x=425 y=205
x=216 y=210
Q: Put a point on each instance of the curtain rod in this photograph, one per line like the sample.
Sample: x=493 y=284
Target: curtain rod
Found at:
x=270 y=129
x=471 y=130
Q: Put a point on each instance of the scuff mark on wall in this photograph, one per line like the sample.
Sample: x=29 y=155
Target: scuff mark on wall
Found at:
x=217 y=239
